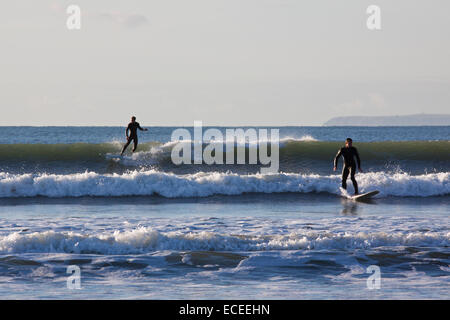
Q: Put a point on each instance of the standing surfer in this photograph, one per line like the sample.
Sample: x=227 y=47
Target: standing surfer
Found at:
x=132 y=128
x=349 y=153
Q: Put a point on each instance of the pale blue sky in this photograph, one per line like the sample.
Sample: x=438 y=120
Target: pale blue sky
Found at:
x=225 y=62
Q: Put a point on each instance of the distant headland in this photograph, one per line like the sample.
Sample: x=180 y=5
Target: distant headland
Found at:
x=407 y=120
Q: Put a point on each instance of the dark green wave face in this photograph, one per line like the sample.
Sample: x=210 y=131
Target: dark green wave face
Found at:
x=63 y=152
x=386 y=150
x=409 y=156
x=295 y=156
x=55 y=152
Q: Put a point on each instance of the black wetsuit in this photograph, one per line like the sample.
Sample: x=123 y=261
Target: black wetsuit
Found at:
x=349 y=155
x=132 y=126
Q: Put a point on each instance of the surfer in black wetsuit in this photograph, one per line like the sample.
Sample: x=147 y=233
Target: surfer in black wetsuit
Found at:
x=349 y=153
x=132 y=128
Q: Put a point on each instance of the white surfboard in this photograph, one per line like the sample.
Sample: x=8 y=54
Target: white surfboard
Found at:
x=365 y=196
x=359 y=197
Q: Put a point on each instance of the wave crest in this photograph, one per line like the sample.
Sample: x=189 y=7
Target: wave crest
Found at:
x=144 y=240
x=203 y=184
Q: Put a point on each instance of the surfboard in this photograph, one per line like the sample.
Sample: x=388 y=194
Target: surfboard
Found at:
x=359 y=197
x=365 y=196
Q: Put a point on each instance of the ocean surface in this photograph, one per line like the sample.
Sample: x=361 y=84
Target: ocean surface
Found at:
x=141 y=227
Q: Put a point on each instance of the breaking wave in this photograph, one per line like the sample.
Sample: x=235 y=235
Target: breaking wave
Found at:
x=144 y=240
x=203 y=184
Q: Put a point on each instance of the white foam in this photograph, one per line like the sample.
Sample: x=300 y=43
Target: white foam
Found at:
x=162 y=151
x=144 y=240
x=305 y=137
x=151 y=182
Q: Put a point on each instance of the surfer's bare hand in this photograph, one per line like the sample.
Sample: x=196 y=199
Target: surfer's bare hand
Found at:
x=360 y=170
x=334 y=168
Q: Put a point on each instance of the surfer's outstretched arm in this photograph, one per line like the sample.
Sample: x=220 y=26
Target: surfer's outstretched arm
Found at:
x=336 y=159
x=142 y=129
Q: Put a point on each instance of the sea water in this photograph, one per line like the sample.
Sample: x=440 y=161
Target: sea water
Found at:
x=141 y=227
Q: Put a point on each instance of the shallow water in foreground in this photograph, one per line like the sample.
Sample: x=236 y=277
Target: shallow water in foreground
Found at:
x=276 y=246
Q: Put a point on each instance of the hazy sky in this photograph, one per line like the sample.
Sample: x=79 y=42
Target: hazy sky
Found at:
x=225 y=62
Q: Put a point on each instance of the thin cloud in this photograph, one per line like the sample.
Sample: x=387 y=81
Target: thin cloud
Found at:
x=135 y=20
x=126 y=20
